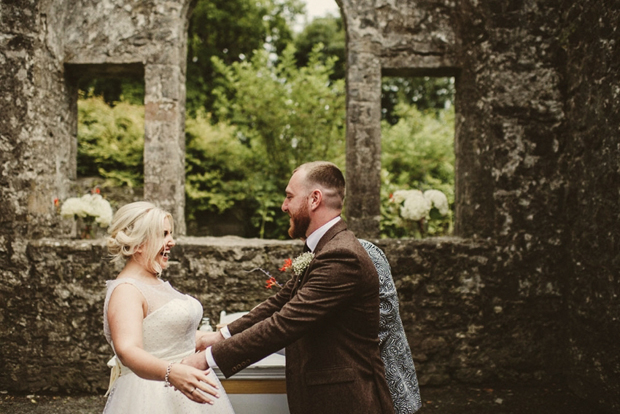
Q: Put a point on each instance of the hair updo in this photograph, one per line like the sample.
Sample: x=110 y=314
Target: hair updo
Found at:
x=139 y=224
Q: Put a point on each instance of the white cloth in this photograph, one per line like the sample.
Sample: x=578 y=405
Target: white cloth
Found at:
x=168 y=333
x=318 y=234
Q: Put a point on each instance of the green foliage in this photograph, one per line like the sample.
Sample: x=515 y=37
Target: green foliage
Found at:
x=113 y=90
x=111 y=142
x=329 y=31
x=423 y=92
x=417 y=153
x=232 y=30
x=287 y=116
x=215 y=167
x=270 y=107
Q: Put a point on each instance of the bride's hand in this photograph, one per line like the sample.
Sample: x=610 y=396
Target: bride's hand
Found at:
x=194 y=383
x=206 y=339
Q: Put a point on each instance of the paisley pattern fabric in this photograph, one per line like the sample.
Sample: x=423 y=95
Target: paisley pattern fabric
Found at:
x=395 y=352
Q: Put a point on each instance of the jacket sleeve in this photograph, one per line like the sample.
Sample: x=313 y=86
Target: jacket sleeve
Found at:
x=331 y=281
x=263 y=310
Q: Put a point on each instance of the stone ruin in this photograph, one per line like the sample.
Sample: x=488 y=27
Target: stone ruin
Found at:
x=525 y=293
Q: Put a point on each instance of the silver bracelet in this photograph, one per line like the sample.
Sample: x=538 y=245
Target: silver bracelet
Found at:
x=167 y=376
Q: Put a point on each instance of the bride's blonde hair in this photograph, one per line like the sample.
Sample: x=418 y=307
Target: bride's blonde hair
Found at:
x=135 y=225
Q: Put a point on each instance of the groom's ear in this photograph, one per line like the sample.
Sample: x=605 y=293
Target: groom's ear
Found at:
x=316 y=197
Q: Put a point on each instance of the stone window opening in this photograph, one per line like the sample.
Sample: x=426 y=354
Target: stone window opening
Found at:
x=417 y=152
x=162 y=176
x=118 y=96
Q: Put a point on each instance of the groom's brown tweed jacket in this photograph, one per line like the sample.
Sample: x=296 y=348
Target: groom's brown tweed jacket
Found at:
x=328 y=320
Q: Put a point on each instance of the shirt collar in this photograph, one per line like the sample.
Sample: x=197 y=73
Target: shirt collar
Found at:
x=316 y=235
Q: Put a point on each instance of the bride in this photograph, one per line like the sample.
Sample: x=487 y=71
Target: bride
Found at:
x=151 y=326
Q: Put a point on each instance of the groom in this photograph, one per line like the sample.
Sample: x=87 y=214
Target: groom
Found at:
x=327 y=317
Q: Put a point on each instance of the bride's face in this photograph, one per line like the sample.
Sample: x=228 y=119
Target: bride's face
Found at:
x=164 y=252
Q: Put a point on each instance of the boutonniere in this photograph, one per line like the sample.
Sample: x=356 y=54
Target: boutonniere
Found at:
x=299 y=264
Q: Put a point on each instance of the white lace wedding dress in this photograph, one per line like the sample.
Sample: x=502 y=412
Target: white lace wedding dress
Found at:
x=169 y=333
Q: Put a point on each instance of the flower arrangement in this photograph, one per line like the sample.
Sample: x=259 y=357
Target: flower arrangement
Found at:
x=299 y=264
x=92 y=208
x=416 y=209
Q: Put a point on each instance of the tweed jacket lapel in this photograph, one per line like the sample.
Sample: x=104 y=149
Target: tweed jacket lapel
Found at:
x=331 y=233
x=336 y=228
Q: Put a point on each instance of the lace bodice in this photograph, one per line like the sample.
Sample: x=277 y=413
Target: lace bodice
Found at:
x=169 y=328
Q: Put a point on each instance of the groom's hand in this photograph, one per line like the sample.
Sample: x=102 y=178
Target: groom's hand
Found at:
x=206 y=339
x=197 y=360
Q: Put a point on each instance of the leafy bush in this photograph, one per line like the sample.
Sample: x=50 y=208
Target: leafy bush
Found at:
x=111 y=142
x=218 y=168
x=417 y=153
x=232 y=30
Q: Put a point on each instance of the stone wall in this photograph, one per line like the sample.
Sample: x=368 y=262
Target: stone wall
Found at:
x=527 y=294
x=458 y=329
x=510 y=137
x=592 y=165
x=45 y=46
x=37 y=161
x=510 y=118
x=386 y=38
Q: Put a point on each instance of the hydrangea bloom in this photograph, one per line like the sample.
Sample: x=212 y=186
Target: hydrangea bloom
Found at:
x=401 y=195
x=438 y=200
x=416 y=206
x=92 y=205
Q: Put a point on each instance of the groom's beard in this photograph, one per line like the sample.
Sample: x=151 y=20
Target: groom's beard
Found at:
x=299 y=223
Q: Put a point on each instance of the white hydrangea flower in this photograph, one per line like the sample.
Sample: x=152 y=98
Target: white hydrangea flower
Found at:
x=72 y=207
x=101 y=210
x=88 y=205
x=416 y=206
x=438 y=200
x=401 y=195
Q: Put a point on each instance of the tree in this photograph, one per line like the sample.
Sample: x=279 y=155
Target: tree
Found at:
x=329 y=31
x=423 y=92
x=286 y=116
x=232 y=30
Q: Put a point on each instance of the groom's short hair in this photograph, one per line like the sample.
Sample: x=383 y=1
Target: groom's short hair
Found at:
x=328 y=176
